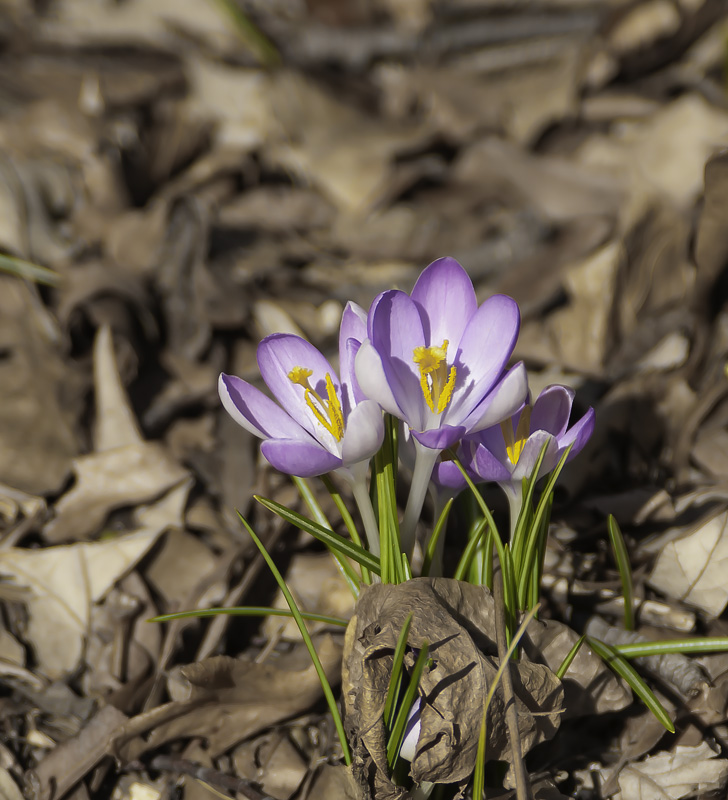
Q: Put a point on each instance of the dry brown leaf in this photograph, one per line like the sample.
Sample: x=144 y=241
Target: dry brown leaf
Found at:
x=670 y=776
x=70 y=761
x=693 y=567
x=63 y=582
x=458 y=621
x=37 y=415
x=125 y=470
x=590 y=687
x=318 y=586
x=225 y=701
x=662 y=157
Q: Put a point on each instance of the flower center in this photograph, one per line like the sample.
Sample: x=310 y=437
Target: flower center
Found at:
x=327 y=412
x=436 y=380
x=516 y=442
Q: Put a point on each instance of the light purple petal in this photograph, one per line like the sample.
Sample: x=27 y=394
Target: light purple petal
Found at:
x=488 y=466
x=299 y=458
x=364 y=433
x=530 y=453
x=446 y=298
x=504 y=400
x=552 y=409
x=579 y=433
x=395 y=331
x=439 y=438
x=372 y=380
x=278 y=354
x=485 y=348
x=448 y=475
x=255 y=412
x=352 y=333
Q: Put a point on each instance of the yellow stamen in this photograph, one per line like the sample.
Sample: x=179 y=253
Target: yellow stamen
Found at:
x=516 y=443
x=327 y=412
x=436 y=380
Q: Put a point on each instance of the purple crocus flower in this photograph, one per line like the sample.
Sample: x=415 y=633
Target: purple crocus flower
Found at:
x=507 y=453
x=322 y=423
x=436 y=360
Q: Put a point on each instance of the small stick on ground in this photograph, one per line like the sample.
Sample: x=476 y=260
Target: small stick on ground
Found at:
x=523 y=784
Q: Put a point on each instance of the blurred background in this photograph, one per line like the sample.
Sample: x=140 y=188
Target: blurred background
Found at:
x=179 y=178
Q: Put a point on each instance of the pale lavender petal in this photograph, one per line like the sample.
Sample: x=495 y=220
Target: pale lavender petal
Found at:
x=278 y=354
x=372 y=380
x=503 y=402
x=448 y=475
x=255 y=412
x=352 y=333
x=530 y=453
x=446 y=298
x=439 y=438
x=302 y=459
x=395 y=331
x=364 y=433
x=487 y=466
x=579 y=434
x=552 y=409
x=485 y=348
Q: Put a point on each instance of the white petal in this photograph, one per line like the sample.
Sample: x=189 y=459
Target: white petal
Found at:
x=364 y=433
x=372 y=380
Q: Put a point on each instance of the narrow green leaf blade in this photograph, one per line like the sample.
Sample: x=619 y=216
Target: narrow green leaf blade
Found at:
x=394 y=745
x=621 y=558
x=570 y=656
x=347 y=571
x=395 y=680
x=465 y=559
x=249 y=611
x=619 y=664
x=435 y=537
x=328 y=537
x=694 y=645
x=325 y=685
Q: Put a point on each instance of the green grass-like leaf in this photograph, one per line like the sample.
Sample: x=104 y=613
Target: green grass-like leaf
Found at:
x=325 y=685
x=469 y=552
x=621 y=558
x=435 y=536
x=347 y=571
x=619 y=664
x=249 y=611
x=698 y=644
x=479 y=772
x=570 y=656
x=396 y=737
x=348 y=520
x=328 y=537
x=28 y=271
x=529 y=561
x=395 y=679
x=385 y=464
x=261 y=46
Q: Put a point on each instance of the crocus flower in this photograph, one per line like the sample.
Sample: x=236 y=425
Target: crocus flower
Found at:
x=322 y=423
x=436 y=360
x=508 y=452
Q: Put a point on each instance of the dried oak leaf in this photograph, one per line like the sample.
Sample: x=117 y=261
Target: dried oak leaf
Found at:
x=458 y=621
x=226 y=700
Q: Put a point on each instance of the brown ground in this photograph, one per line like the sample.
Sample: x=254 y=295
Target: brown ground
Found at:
x=197 y=178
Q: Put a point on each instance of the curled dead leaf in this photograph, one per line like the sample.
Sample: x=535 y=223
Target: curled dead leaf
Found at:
x=458 y=621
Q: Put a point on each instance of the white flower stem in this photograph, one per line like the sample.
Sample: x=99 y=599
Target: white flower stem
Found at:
x=364 y=503
x=425 y=459
x=515 y=503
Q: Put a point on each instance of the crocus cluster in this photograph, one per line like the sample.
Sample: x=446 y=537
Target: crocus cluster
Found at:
x=434 y=359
